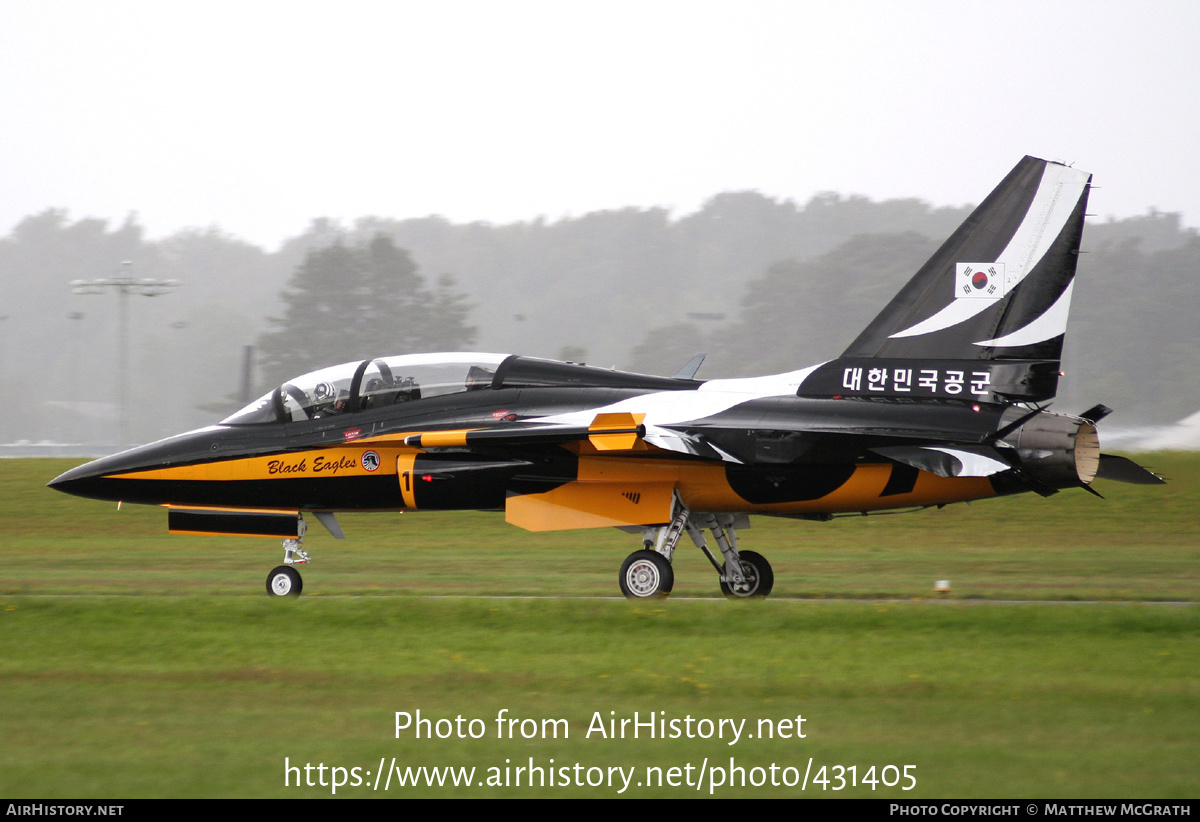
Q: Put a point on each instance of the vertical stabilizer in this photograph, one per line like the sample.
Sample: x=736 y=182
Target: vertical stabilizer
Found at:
x=984 y=318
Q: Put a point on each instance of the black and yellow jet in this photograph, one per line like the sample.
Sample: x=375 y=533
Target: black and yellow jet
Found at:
x=940 y=400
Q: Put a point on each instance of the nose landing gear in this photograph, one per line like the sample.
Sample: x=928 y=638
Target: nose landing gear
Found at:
x=284 y=580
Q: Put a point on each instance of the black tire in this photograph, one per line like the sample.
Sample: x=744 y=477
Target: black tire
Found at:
x=284 y=581
x=646 y=575
x=760 y=579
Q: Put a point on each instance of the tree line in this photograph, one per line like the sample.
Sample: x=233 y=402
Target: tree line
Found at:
x=762 y=285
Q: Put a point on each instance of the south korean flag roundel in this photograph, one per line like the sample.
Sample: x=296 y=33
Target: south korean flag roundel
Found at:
x=979 y=281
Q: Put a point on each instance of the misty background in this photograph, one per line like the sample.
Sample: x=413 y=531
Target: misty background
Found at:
x=762 y=285
x=624 y=183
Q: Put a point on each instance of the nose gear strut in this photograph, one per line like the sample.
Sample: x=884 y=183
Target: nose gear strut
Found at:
x=284 y=580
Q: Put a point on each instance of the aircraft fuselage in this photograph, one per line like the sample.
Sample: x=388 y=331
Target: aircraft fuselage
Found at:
x=785 y=455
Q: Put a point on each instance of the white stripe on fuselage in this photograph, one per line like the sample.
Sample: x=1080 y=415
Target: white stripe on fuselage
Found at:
x=710 y=398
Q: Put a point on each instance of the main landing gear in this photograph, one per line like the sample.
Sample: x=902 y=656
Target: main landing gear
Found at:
x=647 y=574
x=284 y=580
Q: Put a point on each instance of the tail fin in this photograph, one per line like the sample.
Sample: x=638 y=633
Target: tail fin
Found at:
x=984 y=318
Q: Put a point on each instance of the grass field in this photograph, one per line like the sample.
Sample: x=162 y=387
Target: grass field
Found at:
x=166 y=671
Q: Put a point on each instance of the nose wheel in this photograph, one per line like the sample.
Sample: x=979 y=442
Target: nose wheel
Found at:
x=284 y=581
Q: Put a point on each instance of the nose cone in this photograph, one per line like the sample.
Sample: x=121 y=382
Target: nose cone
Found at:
x=128 y=475
x=94 y=479
x=69 y=481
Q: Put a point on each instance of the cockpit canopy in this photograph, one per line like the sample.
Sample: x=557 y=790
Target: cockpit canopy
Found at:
x=358 y=386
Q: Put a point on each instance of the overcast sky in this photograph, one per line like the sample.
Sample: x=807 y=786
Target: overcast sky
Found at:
x=257 y=117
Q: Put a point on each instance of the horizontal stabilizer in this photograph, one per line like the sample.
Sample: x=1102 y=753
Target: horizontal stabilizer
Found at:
x=1096 y=413
x=1122 y=469
x=957 y=461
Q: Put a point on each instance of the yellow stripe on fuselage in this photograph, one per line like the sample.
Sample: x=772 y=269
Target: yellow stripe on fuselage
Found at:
x=338 y=461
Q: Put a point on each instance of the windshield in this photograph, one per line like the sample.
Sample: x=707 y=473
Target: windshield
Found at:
x=358 y=386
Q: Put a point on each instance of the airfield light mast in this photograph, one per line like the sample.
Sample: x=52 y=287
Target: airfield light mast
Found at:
x=125 y=284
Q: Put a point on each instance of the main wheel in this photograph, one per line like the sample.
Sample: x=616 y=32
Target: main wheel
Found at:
x=760 y=579
x=646 y=575
x=284 y=581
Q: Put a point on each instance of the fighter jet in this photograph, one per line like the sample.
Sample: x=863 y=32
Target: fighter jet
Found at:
x=942 y=398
